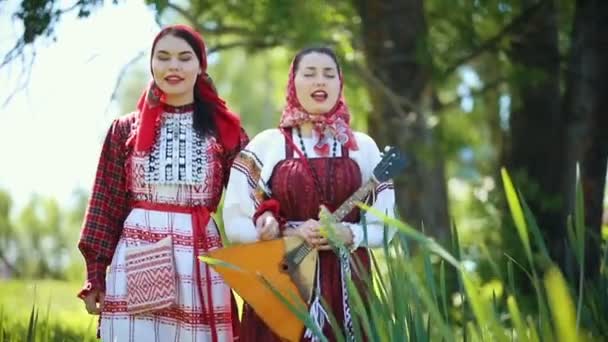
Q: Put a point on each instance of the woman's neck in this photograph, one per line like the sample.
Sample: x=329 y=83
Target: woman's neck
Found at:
x=306 y=129
x=179 y=100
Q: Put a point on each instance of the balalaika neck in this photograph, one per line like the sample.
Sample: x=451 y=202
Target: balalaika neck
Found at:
x=351 y=202
x=293 y=258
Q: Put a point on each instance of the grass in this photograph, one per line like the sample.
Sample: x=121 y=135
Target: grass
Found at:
x=407 y=299
x=51 y=304
x=426 y=296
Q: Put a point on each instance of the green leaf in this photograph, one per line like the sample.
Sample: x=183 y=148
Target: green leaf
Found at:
x=214 y=261
x=426 y=242
x=562 y=307
x=516 y=212
x=533 y=226
x=518 y=323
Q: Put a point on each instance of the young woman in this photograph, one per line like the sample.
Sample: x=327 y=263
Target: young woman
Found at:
x=282 y=177
x=161 y=173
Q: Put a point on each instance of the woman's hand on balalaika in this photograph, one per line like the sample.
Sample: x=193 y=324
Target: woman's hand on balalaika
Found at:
x=267 y=226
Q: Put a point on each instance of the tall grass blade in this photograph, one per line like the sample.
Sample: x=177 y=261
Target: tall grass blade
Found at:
x=562 y=308
x=516 y=212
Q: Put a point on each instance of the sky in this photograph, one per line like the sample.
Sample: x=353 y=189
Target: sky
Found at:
x=51 y=132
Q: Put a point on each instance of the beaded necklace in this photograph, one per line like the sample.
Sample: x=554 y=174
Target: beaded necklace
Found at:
x=314 y=173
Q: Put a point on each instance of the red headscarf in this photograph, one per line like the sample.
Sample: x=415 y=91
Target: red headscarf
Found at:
x=150 y=104
x=336 y=122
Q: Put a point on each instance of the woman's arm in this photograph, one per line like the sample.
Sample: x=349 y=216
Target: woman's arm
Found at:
x=107 y=209
x=370 y=231
x=244 y=192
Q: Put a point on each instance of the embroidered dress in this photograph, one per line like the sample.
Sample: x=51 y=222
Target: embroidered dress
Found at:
x=140 y=198
x=270 y=164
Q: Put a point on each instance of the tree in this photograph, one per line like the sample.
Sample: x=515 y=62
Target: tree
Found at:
x=586 y=118
x=394 y=39
x=534 y=151
x=8 y=245
x=412 y=55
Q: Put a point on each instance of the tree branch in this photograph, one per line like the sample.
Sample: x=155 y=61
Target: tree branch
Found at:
x=121 y=76
x=31 y=17
x=71 y=8
x=29 y=36
x=256 y=45
x=476 y=92
x=220 y=29
x=15 y=272
x=397 y=101
x=13 y=53
x=26 y=75
x=181 y=11
x=492 y=42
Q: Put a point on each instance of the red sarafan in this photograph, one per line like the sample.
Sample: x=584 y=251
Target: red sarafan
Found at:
x=281 y=183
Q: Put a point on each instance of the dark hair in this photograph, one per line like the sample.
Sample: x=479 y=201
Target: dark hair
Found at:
x=318 y=49
x=202 y=118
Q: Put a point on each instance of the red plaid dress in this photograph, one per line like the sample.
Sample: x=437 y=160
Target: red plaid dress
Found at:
x=181 y=170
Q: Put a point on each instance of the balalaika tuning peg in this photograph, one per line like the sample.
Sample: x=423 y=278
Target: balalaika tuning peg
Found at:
x=383 y=153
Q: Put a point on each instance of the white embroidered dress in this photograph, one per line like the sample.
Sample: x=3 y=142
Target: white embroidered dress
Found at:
x=184 y=170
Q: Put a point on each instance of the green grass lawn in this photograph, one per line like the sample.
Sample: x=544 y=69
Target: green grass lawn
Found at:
x=58 y=309
x=61 y=315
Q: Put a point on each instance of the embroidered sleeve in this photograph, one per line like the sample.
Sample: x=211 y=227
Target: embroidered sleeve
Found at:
x=246 y=190
x=107 y=208
x=370 y=232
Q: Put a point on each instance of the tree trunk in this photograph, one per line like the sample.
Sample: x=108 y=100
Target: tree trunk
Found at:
x=394 y=38
x=586 y=109
x=534 y=155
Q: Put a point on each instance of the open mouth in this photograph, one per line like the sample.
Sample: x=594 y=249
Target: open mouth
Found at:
x=319 y=95
x=173 y=79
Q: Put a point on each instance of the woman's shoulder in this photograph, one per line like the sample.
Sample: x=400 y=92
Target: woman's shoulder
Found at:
x=128 y=118
x=124 y=125
x=364 y=141
x=268 y=136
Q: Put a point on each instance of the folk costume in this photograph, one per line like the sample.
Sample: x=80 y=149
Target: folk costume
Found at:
x=159 y=180
x=291 y=175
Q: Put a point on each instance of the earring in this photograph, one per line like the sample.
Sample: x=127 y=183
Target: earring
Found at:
x=154 y=94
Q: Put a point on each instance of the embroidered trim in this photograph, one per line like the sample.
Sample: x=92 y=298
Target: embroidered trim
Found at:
x=250 y=165
x=178 y=155
x=345 y=275
x=385 y=185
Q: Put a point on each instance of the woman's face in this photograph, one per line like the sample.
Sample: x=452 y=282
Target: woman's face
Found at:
x=175 y=67
x=317 y=83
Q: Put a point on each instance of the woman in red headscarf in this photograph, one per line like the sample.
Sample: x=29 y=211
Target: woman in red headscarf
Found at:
x=161 y=173
x=312 y=159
